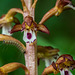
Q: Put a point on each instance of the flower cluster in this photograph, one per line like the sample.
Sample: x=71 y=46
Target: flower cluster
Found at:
x=7 y=20
x=64 y=63
x=47 y=53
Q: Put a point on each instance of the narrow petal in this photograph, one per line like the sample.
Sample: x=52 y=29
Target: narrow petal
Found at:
x=54 y=65
x=13 y=11
x=62 y=3
x=49 y=14
x=16 y=28
x=43 y=28
x=6 y=28
x=24 y=6
x=34 y=4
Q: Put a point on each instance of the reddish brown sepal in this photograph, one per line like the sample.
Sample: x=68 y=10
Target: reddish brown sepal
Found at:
x=69 y=57
x=28 y=20
x=43 y=28
x=23 y=26
x=60 y=3
x=61 y=59
x=16 y=28
x=54 y=65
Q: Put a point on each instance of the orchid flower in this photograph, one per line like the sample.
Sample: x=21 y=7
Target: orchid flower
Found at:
x=30 y=29
x=64 y=64
x=4 y=70
x=57 y=10
x=47 y=53
x=6 y=20
x=29 y=26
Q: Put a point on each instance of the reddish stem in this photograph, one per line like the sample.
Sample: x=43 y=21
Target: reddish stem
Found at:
x=31 y=49
x=31 y=58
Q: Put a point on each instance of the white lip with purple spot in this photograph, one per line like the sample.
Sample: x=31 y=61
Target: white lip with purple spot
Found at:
x=29 y=36
x=65 y=72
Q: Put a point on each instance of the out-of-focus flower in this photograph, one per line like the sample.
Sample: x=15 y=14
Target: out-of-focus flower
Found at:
x=6 y=20
x=4 y=70
x=64 y=64
x=62 y=5
x=47 y=53
x=57 y=10
x=30 y=29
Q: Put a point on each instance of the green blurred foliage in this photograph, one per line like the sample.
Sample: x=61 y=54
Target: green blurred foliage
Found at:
x=62 y=33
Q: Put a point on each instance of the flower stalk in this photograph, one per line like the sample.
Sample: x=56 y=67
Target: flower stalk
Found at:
x=30 y=28
x=31 y=48
x=31 y=58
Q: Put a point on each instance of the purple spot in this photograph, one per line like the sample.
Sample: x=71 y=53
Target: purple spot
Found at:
x=29 y=35
x=66 y=73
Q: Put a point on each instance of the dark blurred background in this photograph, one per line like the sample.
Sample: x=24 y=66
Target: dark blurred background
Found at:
x=62 y=33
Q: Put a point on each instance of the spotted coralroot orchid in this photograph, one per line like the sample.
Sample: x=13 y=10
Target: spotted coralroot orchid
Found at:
x=4 y=70
x=30 y=29
x=10 y=40
x=57 y=10
x=64 y=64
x=47 y=53
x=7 y=20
